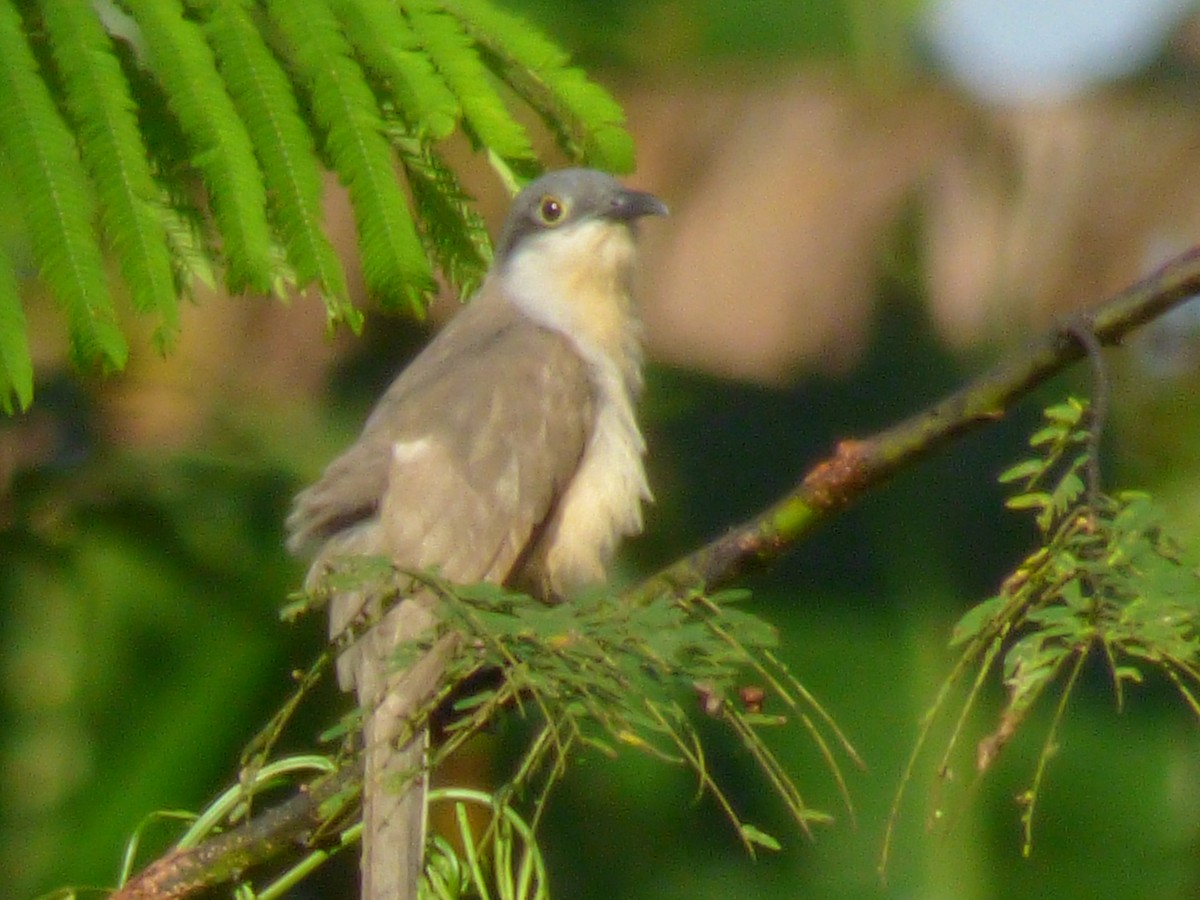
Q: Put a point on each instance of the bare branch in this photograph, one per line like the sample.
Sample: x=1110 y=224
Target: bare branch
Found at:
x=858 y=465
x=271 y=834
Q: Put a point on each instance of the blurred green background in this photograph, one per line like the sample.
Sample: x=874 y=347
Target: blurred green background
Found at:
x=862 y=220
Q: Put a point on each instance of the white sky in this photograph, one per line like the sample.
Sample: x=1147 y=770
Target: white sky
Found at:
x=1014 y=50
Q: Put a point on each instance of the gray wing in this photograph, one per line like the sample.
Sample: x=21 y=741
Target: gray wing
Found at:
x=464 y=456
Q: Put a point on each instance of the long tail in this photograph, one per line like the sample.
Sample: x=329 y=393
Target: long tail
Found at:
x=394 y=789
x=396 y=774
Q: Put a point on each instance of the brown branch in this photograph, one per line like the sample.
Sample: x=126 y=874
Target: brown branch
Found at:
x=829 y=487
x=269 y=835
x=858 y=465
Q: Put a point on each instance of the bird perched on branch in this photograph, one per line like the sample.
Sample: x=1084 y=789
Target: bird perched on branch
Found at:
x=507 y=451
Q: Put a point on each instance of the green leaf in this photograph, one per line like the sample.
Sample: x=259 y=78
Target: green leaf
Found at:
x=1059 y=620
x=1132 y=674
x=190 y=258
x=354 y=573
x=1069 y=413
x=394 y=265
x=100 y=105
x=1068 y=490
x=265 y=101
x=453 y=54
x=1035 y=500
x=1024 y=470
x=1109 y=578
x=219 y=144
x=759 y=838
x=976 y=620
x=176 y=134
x=43 y=170
x=16 y=366
x=1032 y=662
x=588 y=123
x=1071 y=593
x=454 y=233
x=730 y=595
x=750 y=630
x=383 y=38
x=490 y=594
x=1048 y=435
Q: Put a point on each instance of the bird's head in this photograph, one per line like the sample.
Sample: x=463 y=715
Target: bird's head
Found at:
x=565 y=255
x=560 y=203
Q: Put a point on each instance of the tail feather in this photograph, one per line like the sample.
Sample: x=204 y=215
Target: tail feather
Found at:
x=394 y=818
x=396 y=772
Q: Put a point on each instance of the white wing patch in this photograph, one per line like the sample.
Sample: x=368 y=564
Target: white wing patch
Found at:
x=404 y=452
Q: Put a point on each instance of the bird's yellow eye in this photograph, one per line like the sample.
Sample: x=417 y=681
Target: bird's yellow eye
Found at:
x=551 y=210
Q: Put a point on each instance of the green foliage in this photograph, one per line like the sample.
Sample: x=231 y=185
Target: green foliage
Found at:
x=585 y=119
x=184 y=65
x=1105 y=579
x=16 y=366
x=597 y=673
x=264 y=99
x=43 y=170
x=455 y=235
x=101 y=106
x=602 y=673
x=455 y=58
x=515 y=869
x=183 y=137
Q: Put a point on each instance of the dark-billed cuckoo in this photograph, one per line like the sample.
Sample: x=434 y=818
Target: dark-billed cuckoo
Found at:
x=507 y=451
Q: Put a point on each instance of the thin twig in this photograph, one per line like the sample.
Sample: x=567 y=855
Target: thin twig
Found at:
x=1081 y=329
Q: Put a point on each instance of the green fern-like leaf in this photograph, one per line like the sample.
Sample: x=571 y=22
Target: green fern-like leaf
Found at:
x=266 y=103
x=220 y=146
x=190 y=258
x=99 y=103
x=394 y=264
x=454 y=232
x=382 y=37
x=46 y=175
x=1107 y=582
x=453 y=54
x=16 y=366
x=588 y=122
x=186 y=140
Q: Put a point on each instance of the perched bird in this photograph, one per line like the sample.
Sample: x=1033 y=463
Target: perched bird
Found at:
x=507 y=451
